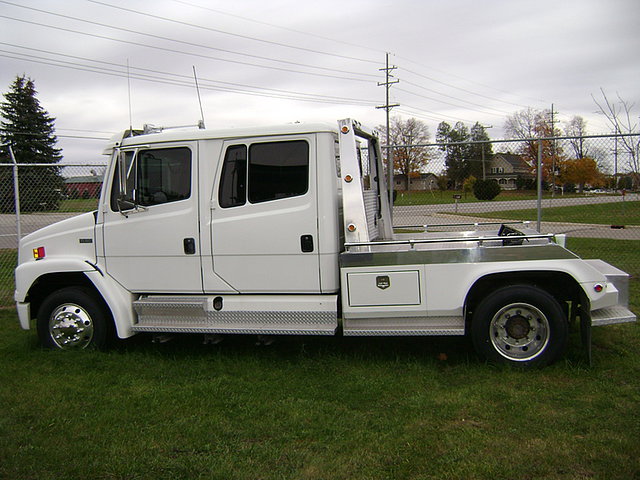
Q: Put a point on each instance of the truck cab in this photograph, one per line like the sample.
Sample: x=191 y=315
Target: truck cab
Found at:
x=287 y=230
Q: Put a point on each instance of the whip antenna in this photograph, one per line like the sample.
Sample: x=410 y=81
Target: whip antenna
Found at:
x=195 y=77
x=129 y=92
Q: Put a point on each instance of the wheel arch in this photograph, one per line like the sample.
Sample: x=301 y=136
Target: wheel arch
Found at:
x=115 y=299
x=46 y=284
x=560 y=285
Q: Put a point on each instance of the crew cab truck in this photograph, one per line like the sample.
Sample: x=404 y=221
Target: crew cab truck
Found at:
x=288 y=231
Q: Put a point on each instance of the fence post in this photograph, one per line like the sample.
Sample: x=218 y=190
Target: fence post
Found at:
x=539 y=186
x=390 y=180
x=16 y=196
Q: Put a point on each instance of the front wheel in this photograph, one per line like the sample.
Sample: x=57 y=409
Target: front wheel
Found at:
x=520 y=325
x=73 y=318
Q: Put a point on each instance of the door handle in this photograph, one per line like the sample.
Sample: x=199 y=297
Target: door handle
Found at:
x=189 y=245
x=306 y=243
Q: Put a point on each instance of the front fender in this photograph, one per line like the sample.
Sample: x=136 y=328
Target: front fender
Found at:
x=28 y=272
x=118 y=299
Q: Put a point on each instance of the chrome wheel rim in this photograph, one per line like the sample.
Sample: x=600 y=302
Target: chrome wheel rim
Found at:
x=70 y=326
x=519 y=332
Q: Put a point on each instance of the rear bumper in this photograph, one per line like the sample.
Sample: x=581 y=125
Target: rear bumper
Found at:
x=618 y=281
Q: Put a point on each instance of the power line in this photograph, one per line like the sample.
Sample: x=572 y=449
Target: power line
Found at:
x=238 y=35
x=209 y=57
x=185 y=83
x=35 y=134
x=179 y=76
x=437 y=116
x=537 y=100
x=452 y=97
x=447 y=103
x=462 y=89
x=182 y=42
x=288 y=29
x=422 y=87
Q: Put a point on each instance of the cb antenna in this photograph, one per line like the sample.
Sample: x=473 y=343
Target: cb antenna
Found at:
x=129 y=92
x=195 y=77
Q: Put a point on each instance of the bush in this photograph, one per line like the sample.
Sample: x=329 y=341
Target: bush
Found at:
x=486 y=189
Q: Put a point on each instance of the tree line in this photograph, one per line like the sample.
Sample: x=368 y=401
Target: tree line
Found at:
x=571 y=163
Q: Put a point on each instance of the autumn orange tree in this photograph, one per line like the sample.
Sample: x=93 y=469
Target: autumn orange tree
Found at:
x=582 y=171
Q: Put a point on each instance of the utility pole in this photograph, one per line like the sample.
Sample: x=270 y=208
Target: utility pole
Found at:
x=388 y=106
x=553 y=152
x=484 y=172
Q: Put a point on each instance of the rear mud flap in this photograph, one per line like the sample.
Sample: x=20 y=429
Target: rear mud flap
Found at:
x=585 y=330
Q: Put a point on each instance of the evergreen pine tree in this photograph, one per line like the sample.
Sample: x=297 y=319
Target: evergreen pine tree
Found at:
x=30 y=132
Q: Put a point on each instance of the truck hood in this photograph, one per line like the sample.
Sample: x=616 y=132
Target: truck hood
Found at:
x=70 y=237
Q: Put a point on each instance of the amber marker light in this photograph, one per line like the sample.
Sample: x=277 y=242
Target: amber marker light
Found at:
x=351 y=227
x=348 y=179
x=38 y=253
x=344 y=129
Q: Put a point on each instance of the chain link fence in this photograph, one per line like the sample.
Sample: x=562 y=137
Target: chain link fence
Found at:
x=46 y=193
x=585 y=187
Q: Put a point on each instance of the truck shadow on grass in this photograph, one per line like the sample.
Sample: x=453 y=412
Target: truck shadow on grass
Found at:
x=441 y=351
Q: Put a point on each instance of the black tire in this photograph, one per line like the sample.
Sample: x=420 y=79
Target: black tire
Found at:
x=74 y=318
x=520 y=325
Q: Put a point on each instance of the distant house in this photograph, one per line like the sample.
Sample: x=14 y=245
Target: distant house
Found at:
x=422 y=181
x=505 y=168
x=83 y=187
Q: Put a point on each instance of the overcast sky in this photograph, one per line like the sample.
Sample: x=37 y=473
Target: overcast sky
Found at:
x=278 y=61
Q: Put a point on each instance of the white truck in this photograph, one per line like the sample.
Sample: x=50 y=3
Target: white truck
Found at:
x=287 y=231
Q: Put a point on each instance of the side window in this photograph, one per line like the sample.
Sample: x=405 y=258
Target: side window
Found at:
x=273 y=170
x=278 y=170
x=153 y=177
x=123 y=190
x=233 y=183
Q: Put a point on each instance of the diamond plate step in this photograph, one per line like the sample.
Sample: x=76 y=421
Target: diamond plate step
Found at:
x=612 y=315
x=251 y=314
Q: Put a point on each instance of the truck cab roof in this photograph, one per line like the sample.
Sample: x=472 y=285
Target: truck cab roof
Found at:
x=138 y=137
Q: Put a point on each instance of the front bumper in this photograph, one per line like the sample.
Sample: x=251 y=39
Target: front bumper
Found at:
x=24 y=314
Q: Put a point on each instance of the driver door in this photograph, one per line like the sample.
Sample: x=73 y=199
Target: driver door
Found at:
x=149 y=228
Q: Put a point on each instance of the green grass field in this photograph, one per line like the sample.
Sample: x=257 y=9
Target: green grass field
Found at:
x=321 y=408
x=79 y=205
x=627 y=213
x=438 y=197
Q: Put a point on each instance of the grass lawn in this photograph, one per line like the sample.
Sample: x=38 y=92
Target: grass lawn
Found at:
x=79 y=205
x=621 y=213
x=8 y=260
x=320 y=408
x=438 y=197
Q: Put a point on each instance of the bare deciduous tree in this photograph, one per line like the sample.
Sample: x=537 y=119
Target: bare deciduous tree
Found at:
x=533 y=124
x=408 y=161
x=619 y=115
x=577 y=129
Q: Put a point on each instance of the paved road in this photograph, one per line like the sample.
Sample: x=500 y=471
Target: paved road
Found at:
x=29 y=223
x=444 y=214
x=477 y=207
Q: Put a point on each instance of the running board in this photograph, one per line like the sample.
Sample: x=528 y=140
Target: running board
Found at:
x=611 y=316
x=245 y=314
x=425 y=326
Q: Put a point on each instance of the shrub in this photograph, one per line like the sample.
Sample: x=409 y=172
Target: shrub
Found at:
x=486 y=189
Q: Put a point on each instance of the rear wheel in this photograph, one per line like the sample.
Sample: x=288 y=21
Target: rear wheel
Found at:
x=73 y=318
x=520 y=325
